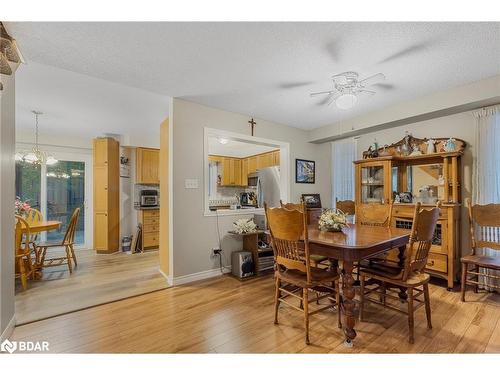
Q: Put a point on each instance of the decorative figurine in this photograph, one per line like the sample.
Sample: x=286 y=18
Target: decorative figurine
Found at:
x=450 y=145
x=384 y=151
x=415 y=151
x=431 y=146
x=406 y=147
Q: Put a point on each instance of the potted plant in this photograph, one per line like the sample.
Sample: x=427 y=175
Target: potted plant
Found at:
x=332 y=220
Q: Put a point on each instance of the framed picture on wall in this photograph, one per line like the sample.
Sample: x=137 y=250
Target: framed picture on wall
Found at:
x=312 y=200
x=305 y=171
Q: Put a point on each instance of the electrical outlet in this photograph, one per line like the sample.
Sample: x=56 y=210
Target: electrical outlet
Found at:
x=216 y=251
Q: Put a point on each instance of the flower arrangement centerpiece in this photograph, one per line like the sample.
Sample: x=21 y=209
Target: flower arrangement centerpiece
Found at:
x=21 y=207
x=242 y=226
x=332 y=220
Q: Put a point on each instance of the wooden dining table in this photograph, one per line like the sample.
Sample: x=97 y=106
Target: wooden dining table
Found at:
x=355 y=243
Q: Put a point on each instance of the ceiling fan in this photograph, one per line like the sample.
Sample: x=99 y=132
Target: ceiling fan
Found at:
x=347 y=87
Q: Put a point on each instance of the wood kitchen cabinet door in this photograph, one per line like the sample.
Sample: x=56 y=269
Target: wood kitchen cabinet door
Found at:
x=265 y=160
x=276 y=157
x=252 y=164
x=147 y=166
x=226 y=171
x=100 y=152
x=101 y=189
x=237 y=172
x=101 y=230
x=244 y=172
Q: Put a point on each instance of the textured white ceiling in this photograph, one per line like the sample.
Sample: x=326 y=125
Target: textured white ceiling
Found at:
x=236 y=149
x=267 y=70
x=77 y=105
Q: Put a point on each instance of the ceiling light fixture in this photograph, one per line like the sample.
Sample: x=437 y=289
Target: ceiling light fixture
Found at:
x=346 y=101
x=36 y=156
x=223 y=141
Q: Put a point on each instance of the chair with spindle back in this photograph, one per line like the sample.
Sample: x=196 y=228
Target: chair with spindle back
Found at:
x=348 y=207
x=379 y=215
x=68 y=244
x=289 y=238
x=24 y=266
x=412 y=276
x=316 y=260
x=33 y=216
x=484 y=221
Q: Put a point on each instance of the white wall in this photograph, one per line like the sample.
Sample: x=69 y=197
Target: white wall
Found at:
x=194 y=234
x=461 y=126
x=7 y=197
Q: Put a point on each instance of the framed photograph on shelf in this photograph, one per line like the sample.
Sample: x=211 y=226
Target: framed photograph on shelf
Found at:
x=305 y=171
x=312 y=200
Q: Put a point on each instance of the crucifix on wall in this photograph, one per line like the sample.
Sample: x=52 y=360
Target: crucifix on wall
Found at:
x=252 y=124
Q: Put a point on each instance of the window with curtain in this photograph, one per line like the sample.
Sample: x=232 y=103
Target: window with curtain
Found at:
x=343 y=156
x=486 y=187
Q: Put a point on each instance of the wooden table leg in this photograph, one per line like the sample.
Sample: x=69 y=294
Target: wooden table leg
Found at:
x=401 y=263
x=348 y=303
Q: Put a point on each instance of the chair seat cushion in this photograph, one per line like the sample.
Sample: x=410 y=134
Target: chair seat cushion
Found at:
x=482 y=261
x=318 y=276
x=317 y=258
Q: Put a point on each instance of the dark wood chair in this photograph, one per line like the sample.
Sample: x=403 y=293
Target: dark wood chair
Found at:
x=348 y=207
x=411 y=276
x=67 y=243
x=23 y=263
x=294 y=275
x=484 y=221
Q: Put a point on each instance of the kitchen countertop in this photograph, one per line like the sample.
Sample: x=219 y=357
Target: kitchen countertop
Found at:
x=139 y=208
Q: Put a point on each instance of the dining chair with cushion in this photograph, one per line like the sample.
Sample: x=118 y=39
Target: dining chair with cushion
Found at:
x=347 y=206
x=317 y=260
x=24 y=266
x=484 y=222
x=289 y=238
x=67 y=243
x=411 y=276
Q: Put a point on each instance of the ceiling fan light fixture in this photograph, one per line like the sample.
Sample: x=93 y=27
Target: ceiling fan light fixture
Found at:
x=223 y=141
x=346 y=101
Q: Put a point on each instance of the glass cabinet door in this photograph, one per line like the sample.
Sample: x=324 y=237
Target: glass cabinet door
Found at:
x=372 y=184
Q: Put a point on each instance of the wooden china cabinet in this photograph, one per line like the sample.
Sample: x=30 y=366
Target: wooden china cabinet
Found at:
x=414 y=175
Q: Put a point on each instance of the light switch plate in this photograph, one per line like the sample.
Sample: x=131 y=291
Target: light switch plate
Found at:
x=191 y=183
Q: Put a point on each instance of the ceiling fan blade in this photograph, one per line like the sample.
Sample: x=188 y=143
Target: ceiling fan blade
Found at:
x=383 y=86
x=365 y=93
x=313 y=94
x=372 y=79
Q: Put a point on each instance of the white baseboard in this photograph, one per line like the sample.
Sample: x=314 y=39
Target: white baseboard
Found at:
x=169 y=279
x=9 y=329
x=200 y=275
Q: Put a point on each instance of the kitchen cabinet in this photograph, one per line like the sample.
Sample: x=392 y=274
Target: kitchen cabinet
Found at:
x=276 y=157
x=150 y=223
x=147 y=165
x=231 y=172
x=252 y=164
x=265 y=160
x=244 y=172
x=106 y=184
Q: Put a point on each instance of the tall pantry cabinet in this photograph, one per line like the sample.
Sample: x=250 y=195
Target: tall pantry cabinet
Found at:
x=106 y=195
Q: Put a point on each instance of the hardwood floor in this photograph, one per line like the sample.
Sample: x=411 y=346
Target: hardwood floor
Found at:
x=225 y=315
x=96 y=280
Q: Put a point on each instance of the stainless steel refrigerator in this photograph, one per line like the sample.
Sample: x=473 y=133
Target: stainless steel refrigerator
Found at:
x=268 y=187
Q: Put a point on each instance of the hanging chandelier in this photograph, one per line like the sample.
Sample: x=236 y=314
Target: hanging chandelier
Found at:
x=36 y=156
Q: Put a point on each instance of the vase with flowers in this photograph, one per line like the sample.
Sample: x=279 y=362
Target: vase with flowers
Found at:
x=243 y=226
x=21 y=207
x=332 y=220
